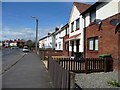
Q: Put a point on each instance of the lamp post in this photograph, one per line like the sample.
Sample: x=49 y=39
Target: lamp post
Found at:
x=36 y=32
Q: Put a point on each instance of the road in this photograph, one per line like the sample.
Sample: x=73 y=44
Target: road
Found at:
x=29 y=72
x=9 y=57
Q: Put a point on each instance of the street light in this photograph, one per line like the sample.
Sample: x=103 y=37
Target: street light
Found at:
x=36 y=31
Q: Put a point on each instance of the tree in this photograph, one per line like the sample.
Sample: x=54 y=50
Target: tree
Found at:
x=29 y=43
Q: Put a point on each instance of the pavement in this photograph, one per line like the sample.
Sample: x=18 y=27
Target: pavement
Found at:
x=29 y=72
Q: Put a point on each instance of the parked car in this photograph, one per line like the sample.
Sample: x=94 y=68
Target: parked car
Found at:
x=26 y=48
x=15 y=47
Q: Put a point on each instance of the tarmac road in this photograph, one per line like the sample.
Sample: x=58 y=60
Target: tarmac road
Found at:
x=29 y=72
x=9 y=57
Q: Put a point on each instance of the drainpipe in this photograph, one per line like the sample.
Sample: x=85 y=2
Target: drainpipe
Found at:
x=84 y=42
x=84 y=37
x=119 y=57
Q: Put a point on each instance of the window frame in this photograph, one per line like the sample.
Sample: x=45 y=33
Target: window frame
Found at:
x=94 y=43
x=91 y=12
x=72 y=27
x=66 y=31
x=78 y=24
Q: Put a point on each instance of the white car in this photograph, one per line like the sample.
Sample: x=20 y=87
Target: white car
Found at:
x=25 y=49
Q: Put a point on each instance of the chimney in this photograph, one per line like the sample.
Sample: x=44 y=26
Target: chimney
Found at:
x=56 y=29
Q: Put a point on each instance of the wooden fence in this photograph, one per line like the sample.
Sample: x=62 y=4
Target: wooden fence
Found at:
x=86 y=65
x=49 y=52
x=61 y=78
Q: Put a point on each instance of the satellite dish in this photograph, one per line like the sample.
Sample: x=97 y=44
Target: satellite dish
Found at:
x=117 y=28
x=114 y=22
x=97 y=21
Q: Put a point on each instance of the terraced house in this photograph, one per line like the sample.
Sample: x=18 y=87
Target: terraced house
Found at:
x=76 y=25
x=59 y=34
x=101 y=34
x=91 y=31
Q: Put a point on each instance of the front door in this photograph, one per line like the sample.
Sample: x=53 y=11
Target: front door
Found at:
x=77 y=45
x=72 y=53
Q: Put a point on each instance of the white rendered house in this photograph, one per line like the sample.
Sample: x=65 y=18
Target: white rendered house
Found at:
x=59 y=34
x=76 y=24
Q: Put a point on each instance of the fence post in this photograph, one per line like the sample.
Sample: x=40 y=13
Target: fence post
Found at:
x=48 y=62
x=86 y=66
x=44 y=55
x=72 y=80
x=105 y=65
x=49 y=58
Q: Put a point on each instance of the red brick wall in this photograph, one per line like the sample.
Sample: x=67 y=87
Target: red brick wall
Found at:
x=65 y=52
x=108 y=41
x=54 y=53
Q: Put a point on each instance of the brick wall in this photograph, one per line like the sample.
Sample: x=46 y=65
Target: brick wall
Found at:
x=51 y=52
x=65 y=52
x=108 y=41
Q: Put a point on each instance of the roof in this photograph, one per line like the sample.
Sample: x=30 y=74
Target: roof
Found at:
x=91 y=7
x=66 y=25
x=43 y=38
x=81 y=6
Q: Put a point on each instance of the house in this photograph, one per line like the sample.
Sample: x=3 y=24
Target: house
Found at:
x=59 y=34
x=20 y=43
x=76 y=25
x=48 y=41
x=100 y=36
x=6 y=43
x=43 y=42
x=66 y=40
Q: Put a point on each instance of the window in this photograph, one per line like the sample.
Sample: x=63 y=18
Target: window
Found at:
x=72 y=26
x=77 y=24
x=92 y=16
x=67 y=31
x=93 y=43
x=59 y=45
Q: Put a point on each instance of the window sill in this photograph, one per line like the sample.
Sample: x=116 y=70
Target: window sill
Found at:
x=66 y=34
x=72 y=31
x=92 y=51
x=77 y=29
x=92 y=23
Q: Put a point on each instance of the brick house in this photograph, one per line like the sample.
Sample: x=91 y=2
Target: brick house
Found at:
x=101 y=38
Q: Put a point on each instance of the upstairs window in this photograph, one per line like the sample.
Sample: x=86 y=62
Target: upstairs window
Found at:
x=66 y=31
x=93 y=43
x=72 y=26
x=77 y=24
x=92 y=15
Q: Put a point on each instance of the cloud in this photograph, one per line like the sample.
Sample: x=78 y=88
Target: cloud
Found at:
x=24 y=33
x=10 y=33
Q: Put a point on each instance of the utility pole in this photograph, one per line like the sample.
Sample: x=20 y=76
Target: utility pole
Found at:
x=36 y=32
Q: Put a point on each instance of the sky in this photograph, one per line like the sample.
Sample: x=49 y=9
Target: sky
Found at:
x=17 y=22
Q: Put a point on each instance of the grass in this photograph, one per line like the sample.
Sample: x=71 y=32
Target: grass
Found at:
x=113 y=83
